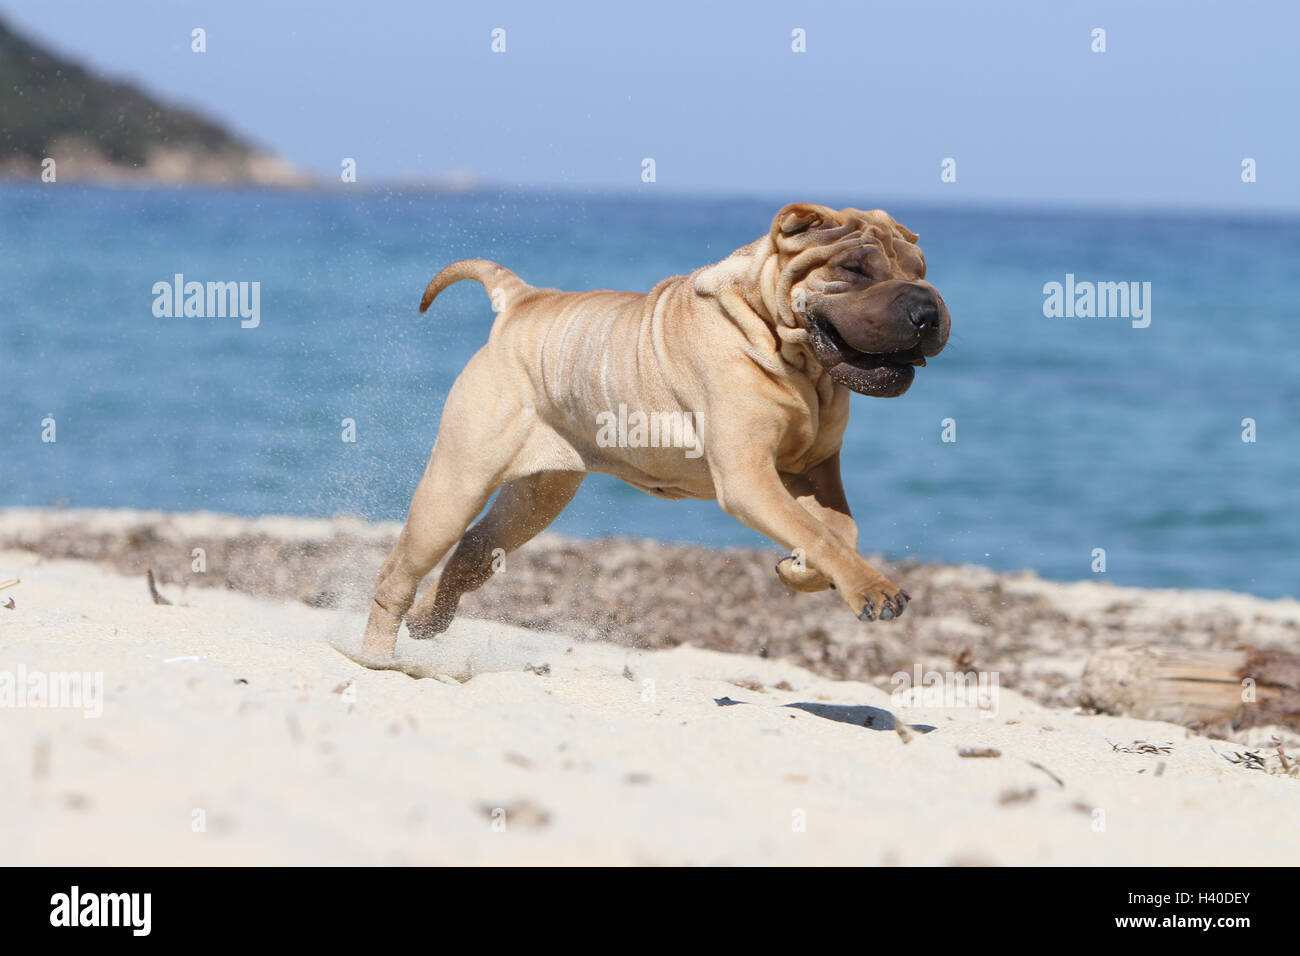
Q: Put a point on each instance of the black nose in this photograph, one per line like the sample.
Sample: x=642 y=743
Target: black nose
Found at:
x=921 y=310
x=924 y=315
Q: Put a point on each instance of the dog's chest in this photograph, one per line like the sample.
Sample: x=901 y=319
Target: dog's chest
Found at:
x=814 y=431
x=800 y=456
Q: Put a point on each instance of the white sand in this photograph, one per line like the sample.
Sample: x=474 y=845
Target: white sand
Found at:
x=589 y=766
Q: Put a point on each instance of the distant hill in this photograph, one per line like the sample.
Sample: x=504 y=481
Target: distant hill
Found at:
x=96 y=129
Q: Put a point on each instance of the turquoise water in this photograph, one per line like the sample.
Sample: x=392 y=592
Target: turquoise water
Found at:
x=1072 y=434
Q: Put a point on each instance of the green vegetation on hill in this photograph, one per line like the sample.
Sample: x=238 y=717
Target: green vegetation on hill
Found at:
x=45 y=100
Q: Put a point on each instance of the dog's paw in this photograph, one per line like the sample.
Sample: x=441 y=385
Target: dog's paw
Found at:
x=801 y=578
x=884 y=601
x=428 y=627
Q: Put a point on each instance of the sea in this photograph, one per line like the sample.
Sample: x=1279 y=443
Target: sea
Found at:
x=1159 y=449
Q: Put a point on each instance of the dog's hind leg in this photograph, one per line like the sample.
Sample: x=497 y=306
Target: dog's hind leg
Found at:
x=522 y=510
x=442 y=507
x=478 y=443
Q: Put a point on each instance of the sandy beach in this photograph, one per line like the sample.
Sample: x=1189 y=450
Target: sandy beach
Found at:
x=663 y=705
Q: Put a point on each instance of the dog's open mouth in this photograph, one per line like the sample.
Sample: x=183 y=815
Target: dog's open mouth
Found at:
x=879 y=374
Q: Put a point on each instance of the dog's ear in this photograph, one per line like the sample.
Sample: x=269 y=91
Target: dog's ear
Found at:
x=902 y=230
x=800 y=217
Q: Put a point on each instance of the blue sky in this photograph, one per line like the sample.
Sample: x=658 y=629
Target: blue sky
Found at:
x=713 y=92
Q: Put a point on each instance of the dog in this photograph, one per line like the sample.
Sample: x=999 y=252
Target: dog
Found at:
x=759 y=353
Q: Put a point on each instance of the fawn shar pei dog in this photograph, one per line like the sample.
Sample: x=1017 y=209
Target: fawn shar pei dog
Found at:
x=756 y=355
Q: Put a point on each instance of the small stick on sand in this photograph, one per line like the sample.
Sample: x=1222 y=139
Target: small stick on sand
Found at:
x=1038 y=766
x=153 y=589
x=978 y=752
x=10 y=583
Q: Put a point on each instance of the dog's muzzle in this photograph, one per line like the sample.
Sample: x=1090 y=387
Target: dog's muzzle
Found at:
x=873 y=341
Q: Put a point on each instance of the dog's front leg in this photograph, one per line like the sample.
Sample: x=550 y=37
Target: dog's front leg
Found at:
x=820 y=492
x=757 y=497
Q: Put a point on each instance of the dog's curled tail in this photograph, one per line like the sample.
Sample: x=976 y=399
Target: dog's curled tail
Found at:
x=499 y=281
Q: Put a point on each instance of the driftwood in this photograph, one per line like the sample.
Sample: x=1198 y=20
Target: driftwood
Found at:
x=1236 y=688
x=153 y=589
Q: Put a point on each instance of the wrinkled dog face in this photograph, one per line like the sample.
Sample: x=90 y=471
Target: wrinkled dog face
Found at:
x=856 y=281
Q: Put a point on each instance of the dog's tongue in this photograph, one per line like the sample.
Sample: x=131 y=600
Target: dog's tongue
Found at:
x=892 y=376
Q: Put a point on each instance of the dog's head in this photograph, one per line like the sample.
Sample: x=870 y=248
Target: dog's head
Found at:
x=856 y=282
